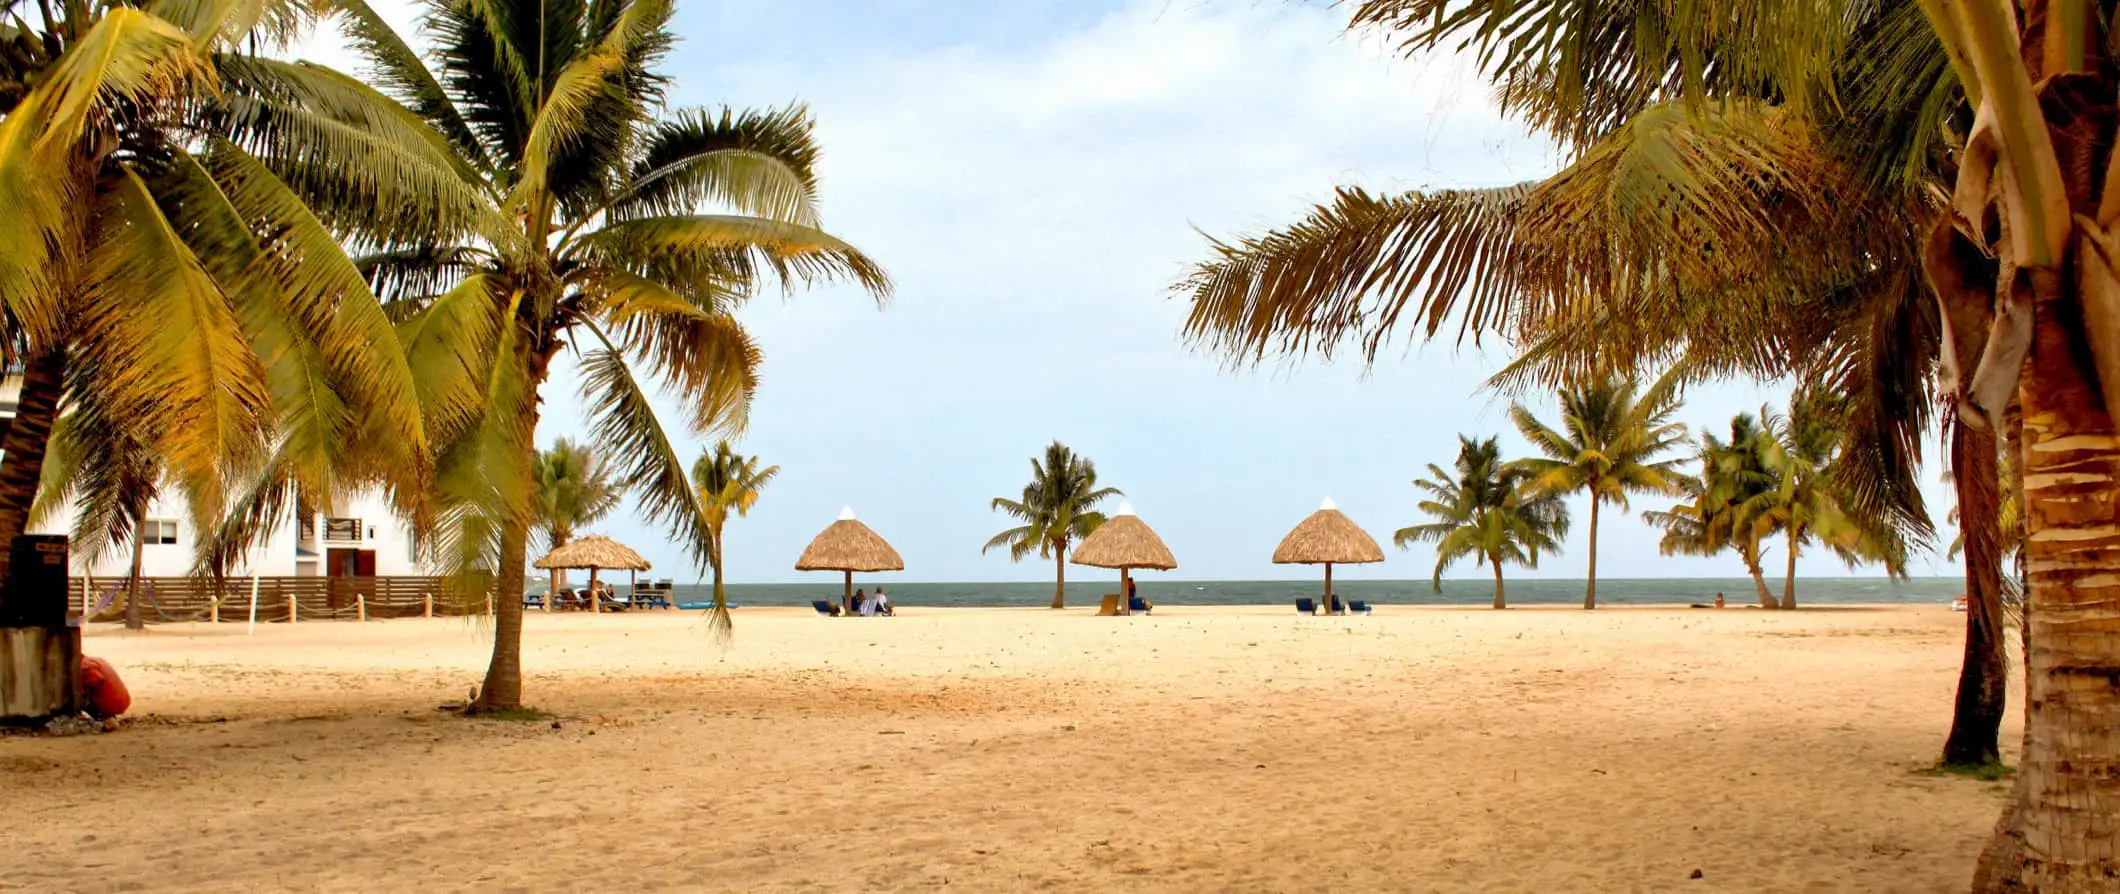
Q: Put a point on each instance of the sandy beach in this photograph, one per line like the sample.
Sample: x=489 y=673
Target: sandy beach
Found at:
x=1010 y=749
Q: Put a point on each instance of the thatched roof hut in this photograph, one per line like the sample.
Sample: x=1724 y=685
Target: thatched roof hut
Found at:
x=848 y=545
x=1328 y=537
x=594 y=551
x=1124 y=542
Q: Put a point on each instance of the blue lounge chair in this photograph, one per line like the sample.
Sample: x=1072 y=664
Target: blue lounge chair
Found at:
x=830 y=609
x=1335 y=606
x=533 y=600
x=1138 y=605
x=1358 y=606
x=1306 y=606
x=614 y=604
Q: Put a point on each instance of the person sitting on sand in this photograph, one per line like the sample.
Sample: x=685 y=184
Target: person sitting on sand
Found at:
x=1718 y=600
x=880 y=604
x=861 y=598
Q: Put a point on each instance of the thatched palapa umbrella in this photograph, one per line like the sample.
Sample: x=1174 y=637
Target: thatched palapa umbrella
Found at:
x=1124 y=542
x=1328 y=537
x=848 y=545
x=593 y=552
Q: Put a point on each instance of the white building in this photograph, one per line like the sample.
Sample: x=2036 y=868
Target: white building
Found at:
x=362 y=537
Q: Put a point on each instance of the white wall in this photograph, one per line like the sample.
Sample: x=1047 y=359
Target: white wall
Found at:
x=380 y=530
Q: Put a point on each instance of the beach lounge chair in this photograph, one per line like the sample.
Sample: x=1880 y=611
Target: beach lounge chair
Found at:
x=1334 y=606
x=1306 y=606
x=1138 y=606
x=614 y=604
x=1110 y=606
x=533 y=600
x=1358 y=606
x=826 y=608
x=568 y=599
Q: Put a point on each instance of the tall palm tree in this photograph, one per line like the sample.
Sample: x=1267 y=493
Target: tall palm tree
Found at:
x=1057 y=509
x=156 y=274
x=1711 y=518
x=571 y=215
x=1607 y=446
x=1488 y=511
x=1797 y=453
x=575 y=489
x=726 y=481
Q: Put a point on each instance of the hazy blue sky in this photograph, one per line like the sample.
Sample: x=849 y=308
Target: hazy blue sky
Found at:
x=1035 y=175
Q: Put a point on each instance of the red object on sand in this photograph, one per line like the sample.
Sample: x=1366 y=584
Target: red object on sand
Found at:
x=105 y=692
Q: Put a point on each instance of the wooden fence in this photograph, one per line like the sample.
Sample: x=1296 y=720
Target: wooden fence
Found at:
x=279 y=599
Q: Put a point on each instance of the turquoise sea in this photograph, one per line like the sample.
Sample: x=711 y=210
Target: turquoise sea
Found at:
x=1616 y=591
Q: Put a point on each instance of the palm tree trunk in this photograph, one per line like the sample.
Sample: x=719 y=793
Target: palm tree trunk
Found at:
x=2068 y=789
x=1590 y=591
x=1759 y=580
x=133 y=620
x=503 y=689
x=720 y=601
x=1788 y=579
x=1499 y=601
x=1983 y=675
x=43 y=381
x=1060 y=577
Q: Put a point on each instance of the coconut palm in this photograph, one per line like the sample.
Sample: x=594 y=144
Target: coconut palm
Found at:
x=1488 y=511
x=111 y=474
x=727 y=482
x=1607 y=445
x=1711 y=520
x=575 y=489
x=572 y=216
x=157 y=275
x=1057 y=508
x=1797 y=453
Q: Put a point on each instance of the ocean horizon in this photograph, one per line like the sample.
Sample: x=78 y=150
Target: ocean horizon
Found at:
x=1463 y=591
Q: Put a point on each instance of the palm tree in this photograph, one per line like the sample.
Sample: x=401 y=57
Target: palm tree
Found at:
x=112 y=474
x=158 y=276
x=1058 y=508
x=569 y=215
x=574 y=490
x=1797 y=453
x=1488 y=511
x=1608 y=445
x=1711 y=519
x=726 y=481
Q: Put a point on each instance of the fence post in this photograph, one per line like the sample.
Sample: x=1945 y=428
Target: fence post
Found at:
x=360 y=606
x=213 y=609
x=253 y=606
x=427 y=605
x=291 y=614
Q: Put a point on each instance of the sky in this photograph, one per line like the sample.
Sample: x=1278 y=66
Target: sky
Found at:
x=1035 y=176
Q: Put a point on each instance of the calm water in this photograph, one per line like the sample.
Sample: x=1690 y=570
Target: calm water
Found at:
x=1738 y=591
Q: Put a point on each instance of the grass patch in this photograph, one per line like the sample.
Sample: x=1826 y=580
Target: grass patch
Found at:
x=1993 y=772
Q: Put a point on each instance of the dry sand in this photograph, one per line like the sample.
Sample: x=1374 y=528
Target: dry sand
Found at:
x=1227 y=749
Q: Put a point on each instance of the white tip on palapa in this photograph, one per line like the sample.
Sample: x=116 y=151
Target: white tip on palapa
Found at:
x=1328 y=504
x=1126 y=507
x=846 y=513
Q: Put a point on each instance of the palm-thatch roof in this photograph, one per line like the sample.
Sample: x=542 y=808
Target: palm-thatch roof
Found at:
x=1125 y=541
x=849 y=545
x=594 y=551
x=1328 y=535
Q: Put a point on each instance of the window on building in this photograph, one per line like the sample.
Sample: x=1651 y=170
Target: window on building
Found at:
x=342 y=530
x=158 y=531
